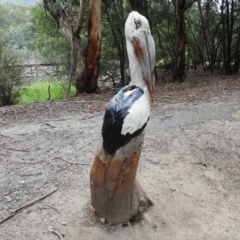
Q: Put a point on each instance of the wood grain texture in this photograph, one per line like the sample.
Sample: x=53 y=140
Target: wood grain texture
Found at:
x=115 y=194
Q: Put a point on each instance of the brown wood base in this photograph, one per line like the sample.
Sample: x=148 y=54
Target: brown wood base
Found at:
x=115 y=193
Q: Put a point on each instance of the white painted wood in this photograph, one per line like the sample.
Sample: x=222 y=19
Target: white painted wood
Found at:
x=139 y=69
x=138 y=114
x=144 y=67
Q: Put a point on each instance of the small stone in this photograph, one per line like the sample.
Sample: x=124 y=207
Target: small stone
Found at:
x=8 y=199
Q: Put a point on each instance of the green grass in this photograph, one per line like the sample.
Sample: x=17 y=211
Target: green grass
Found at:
x=38 y=92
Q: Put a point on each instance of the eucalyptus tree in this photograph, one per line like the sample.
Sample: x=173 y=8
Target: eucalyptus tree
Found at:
x=204 y=35
x=167 y=19
x=113 y=59
x=230 y=31
x=195 y=42
x=165 y=32
x=69 y=16
x=217 y=34
x=236 y=40
x=179 y=69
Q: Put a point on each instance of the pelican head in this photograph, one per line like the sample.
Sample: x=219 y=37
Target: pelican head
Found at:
x=141 y=51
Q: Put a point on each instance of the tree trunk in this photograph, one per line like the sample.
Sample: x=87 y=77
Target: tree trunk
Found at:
x=86 y=62
x=87 y=81
x=116 y=195
x=228 y=70
x=204 y=30
x=223 y=16
x=228 y=22
x=117 y=34
x=179 y=71
x=237 y=56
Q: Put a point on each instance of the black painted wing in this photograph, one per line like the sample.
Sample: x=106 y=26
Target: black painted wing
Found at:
x=114 y=116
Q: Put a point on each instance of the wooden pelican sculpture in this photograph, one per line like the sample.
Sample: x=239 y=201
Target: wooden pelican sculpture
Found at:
x=116 y=195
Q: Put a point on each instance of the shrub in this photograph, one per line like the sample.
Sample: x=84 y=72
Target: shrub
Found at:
x=10 y=76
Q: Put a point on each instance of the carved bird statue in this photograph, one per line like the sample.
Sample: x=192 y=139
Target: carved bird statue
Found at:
x=116 y=195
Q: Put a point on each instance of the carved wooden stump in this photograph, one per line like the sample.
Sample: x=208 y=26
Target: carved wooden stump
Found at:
x=115 y=193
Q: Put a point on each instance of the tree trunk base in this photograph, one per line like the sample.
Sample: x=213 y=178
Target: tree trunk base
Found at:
x=178 y=77
x=116 y=195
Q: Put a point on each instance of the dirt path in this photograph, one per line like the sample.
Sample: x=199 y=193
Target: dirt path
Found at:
x=190 y=166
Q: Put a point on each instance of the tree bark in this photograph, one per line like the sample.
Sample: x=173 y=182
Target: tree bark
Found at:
x=204 y=31
x=237 y=56
x=179 y=71
x=87 y=82
x=228 y=23
x=229 y=40
x=86 y=62
x=116 y=195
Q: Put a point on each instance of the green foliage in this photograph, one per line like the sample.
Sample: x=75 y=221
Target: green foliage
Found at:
x=113 y=50
x=41 y=92
x=33 y=27
x=10 y=76
x=29 y=33
x=4 y=38
x=17 y=38
x=14 y=20
x=48 y=38
x=14 y=15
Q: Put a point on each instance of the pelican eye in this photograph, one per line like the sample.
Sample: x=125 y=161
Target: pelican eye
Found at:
x=137 y=23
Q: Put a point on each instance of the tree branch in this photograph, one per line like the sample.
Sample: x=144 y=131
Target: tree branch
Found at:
x=66 y=12
x=26 y=206
x=188 y=5
x=79 y=24
x=55 y=15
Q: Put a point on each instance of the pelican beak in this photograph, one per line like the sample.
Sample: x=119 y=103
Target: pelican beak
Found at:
x=145 y=50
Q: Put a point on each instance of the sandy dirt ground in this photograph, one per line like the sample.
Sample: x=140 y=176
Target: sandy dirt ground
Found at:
x=190 y=166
